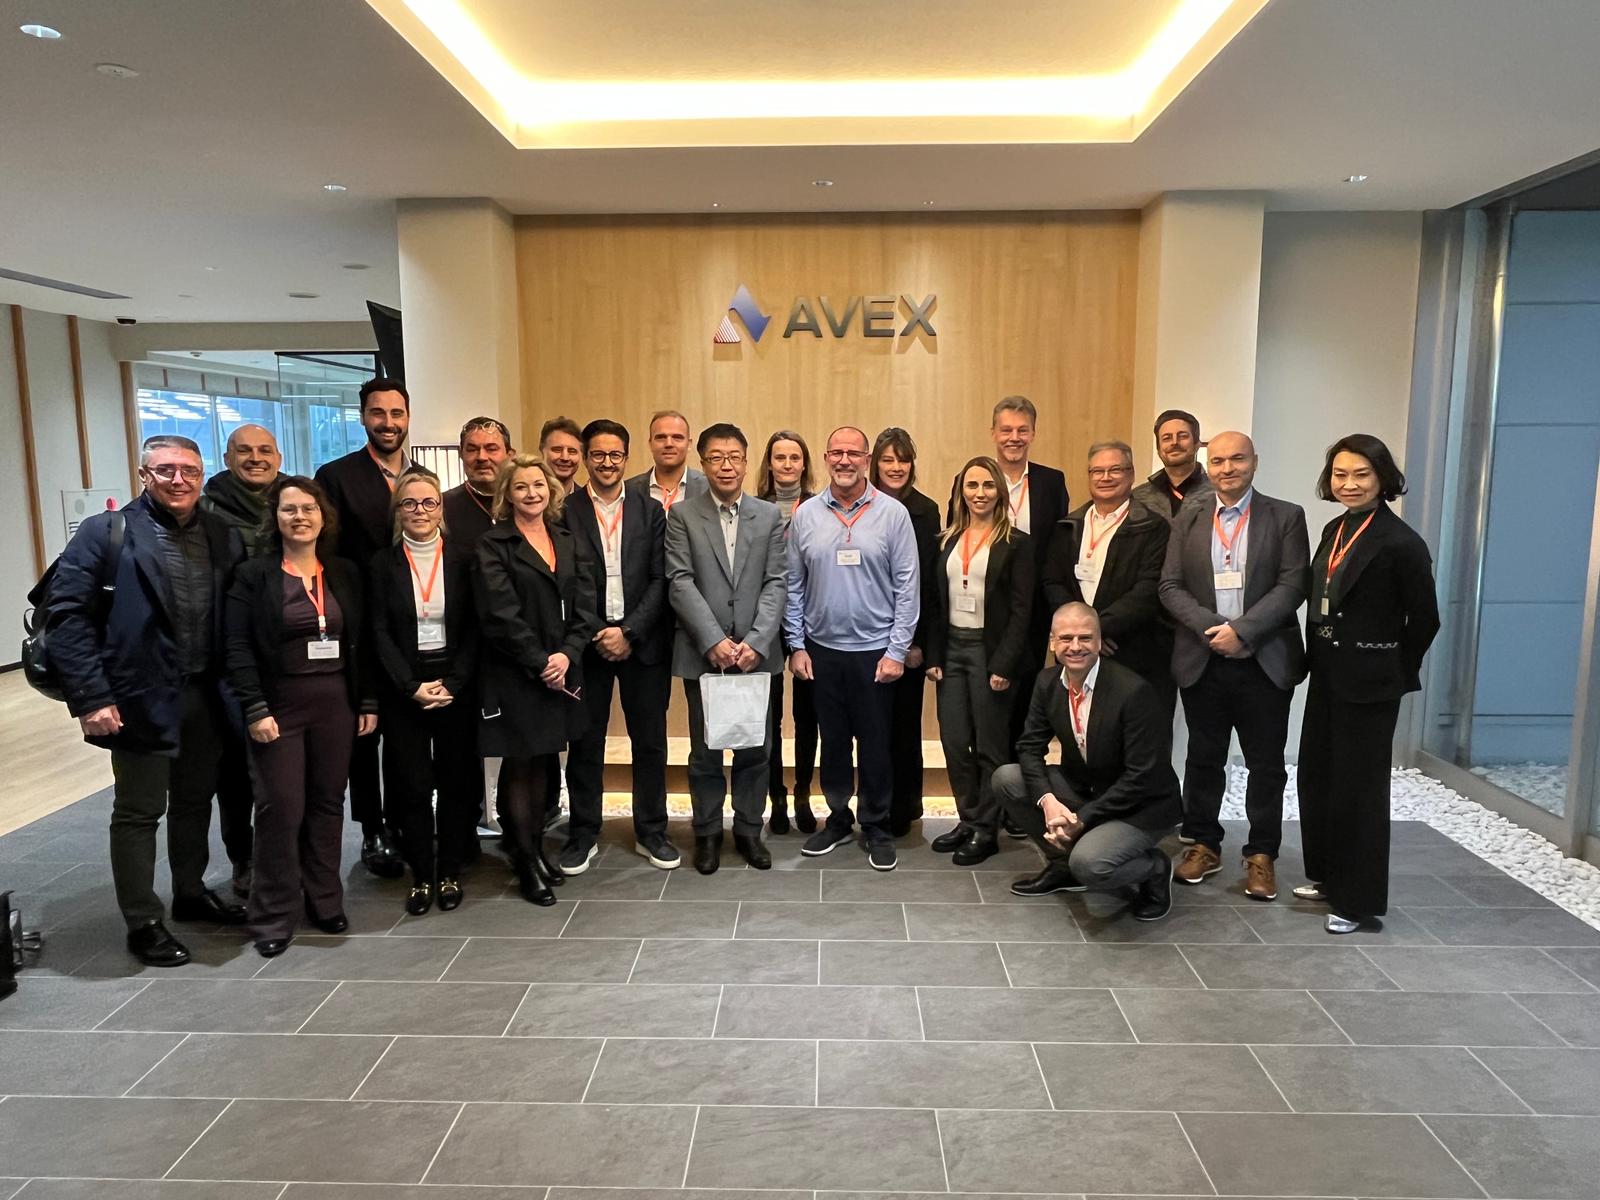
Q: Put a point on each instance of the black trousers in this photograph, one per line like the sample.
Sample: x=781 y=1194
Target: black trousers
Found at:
x=1235 y=695
x=1343 y=779
x=905 y=750
x=299 y=787
x=646 y=691
x=367 y=806
x=805 y=737
x=1021 y=692
x=429 y=750
x=235 y=800
x=972 y=727
x=854 y=717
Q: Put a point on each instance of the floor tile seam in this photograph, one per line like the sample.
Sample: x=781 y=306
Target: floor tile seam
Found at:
x=637 y=954
x=171 y=1050
x=816 y=1080
x=1282 y=1095
x=1132 y=1032
x=944 y=1164
x=1516 y=1095
x=1204 y=1170
x=210 y=1125
x=1001 y=956
x=437 y=1150
x=1193 y=970
x=282 y=1190
x=1459 y=1164
x=688 y=1154
x=1545 y=950
x=1512 y=996
x=453 y=957
x=722 y=990
x=916 y=999
x=1042 y=1078
x=1344 y=1033
x=132 y=996
x=517 y=1008
x=318 y=1008
x=382 y=1054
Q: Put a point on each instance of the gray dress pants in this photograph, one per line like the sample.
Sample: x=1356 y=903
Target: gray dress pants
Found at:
x=974 y=723
x=1112 y=856
x=708 y=786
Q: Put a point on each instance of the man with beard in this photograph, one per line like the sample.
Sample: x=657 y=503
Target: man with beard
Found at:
x=1181 y=476
x=485 y=444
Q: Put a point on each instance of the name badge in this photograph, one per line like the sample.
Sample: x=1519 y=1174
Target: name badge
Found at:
x=614 y=566
x=1228 y=581
x=429 y=632
x=318 y=651
x=1087 y=572
x=968 y=604
x=847 y=557
x=1324 y=606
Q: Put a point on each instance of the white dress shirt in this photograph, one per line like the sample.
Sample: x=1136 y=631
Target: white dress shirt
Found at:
x=1080 y=717
x=967 y=587
x=609 y=518
x=662 y=496
x=1094 y=545
x=1019 y=502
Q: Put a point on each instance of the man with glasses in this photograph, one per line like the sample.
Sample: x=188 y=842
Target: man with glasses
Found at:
x=359 y=486
x=561 y=445
x=853 y=604
x=1108 y=554
x=485 y=444
x=672 y=479
x=1181 y=475
x=632 y=651
x=141 y=673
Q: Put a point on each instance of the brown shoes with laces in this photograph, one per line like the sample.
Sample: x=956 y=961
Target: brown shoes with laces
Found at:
x=1197 y=862
x=1261 y=880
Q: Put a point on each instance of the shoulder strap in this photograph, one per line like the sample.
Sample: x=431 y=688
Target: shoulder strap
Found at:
x=113 y=558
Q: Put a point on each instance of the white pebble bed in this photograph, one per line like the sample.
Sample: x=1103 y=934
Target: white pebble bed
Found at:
x=1524 y=855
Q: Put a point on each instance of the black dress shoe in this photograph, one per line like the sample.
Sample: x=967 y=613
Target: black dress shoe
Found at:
x=804 y=819
x=271 y=947
x=1155 y=894
x=1056 y=877
x=379 y=856
x=207 y=906
x=450 y=894
x=946 y=843
x=553 y=875
x=1011 y=827
x=533 y=887
x=753 y=851
x=420 y=899
x=707 y=853
x=153 y=946
x=337 y=923
x=980 y=845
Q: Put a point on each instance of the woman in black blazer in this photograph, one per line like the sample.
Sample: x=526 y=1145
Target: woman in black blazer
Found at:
x=537 y=611
x=894 y=472
x=294 y=659
x=1371 y=616
x=425 y=636
x=982 y=599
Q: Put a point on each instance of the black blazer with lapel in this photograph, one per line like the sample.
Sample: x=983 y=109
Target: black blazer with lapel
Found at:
x=1387 y=615
x=1047 y=504
x=255 y=634
x=1129 y=596
x=1007 y=606
x=360 y=493
x=644 y=569
x=392 y=606
x=1128 y=776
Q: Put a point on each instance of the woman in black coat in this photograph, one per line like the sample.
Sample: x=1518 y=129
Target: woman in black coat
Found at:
x=294 y=655
x=982 y=599
x=1371 y=616
x=537 y=611
x=425 y=637
x=894 y=472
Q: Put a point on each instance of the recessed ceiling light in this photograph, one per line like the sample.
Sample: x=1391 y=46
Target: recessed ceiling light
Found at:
x=822 y=183
x=354 y=266
x=211 y=268
x=303 y=295
x=927 y=204
x=41 y=31
x=716 y=204
x=1355 y=178
x=116 y=70
x=334 y=187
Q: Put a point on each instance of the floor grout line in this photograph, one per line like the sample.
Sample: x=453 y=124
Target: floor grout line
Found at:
x=1288 y=1107
x=1343 y=1032
x=593 y=1071
x=636 y=955
x=722 y=990
x=1377 y=966
x=318 y=1008
x=382 y=1054
x=157 y=1063
x=1192 y=969
x=1132 y=1032
x=816 y=1081
x=1203 y=1169
x=572 y=912
x=1518 y=1095
x=282 y=1190
x=1431 y=1133
x=141 y=991
x=944 y=1165
x=453 y=958
x=1050 y=1099
x=1545 y=950
x=689 y=1154
x=512 y=1019
x=167 y=1174
x=1512 y=996
x=916 y=995
x=439 y=1149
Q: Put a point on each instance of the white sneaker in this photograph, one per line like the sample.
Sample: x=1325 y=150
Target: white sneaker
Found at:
x=1312 y=892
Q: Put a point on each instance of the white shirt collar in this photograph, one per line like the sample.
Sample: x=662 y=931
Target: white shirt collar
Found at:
x=1241 y=504
x=1114 y=514
x=1088 y=680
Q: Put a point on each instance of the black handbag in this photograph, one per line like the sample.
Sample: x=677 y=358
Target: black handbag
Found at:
x=36 y=666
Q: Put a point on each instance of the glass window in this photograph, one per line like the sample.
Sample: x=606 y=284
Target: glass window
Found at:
x=187 y=414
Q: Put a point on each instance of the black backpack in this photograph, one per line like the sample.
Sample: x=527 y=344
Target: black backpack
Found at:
x=36 y=668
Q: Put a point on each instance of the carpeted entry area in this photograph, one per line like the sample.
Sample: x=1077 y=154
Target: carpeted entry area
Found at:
x=816 y=1028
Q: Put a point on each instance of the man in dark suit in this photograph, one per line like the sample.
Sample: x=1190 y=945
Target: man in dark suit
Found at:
x=1181 y=476
x=1235 y=575
x=485 y=444
x=359 y=486
x=626 y=531
x=1099 y=814
x=1109 y=554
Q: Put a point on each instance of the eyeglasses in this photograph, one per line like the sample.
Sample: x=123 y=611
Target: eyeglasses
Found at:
x=170 y=472
x=617 y=457
x=1108 y=472
x=427 y=504
x=717 y=460
x=843 y=455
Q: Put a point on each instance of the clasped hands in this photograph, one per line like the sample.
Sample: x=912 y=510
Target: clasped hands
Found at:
x=1061 y=824
x=432 y=695
x=1225 y=640
x=729 y=655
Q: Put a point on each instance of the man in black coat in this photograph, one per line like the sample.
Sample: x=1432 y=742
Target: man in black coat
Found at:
x=485 y=444
x=1099 y=814
x=142 y=678
x=359 y=486
x=626 y=531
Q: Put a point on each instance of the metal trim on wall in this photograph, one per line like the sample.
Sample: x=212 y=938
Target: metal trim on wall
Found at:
x=79 y=403
x=30 y=455
x=1583 y=760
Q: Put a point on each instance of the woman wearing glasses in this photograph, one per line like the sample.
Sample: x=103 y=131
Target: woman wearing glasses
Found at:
x=294 y=660
x=536 y=606
x=785 y=479
x=424 y=631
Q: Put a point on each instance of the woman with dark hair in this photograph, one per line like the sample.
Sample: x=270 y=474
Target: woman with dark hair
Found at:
x=1371 y=616
x=894 y=472
x=785 y=479
x=537 y=608
x=425 y=635
x=977 y=648
x=295 y=661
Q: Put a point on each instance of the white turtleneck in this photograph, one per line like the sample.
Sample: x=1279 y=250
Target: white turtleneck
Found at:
x=430 y=613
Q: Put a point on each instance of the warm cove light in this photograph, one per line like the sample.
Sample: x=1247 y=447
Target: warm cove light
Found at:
x=1119 y=104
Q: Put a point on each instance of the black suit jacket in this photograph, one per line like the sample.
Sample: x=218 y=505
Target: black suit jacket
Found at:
x=1129 y=596
x=392 y=608
x=1128 y=776
x=644 y=569
x=1047 y=504
x=925 y=526
x=1370 y=645
x=359 y=493
x=1007 y=606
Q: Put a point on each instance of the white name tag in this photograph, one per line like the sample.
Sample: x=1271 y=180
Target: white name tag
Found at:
x=967 y=604
x=322 y=650
x=1324 y=606
x=614 y=566
x=847 y=558
x=1087 y=572
x=429 y=632
x=1228 y=581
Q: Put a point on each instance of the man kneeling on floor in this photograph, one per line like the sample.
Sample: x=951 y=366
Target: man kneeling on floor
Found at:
x=1099 y=814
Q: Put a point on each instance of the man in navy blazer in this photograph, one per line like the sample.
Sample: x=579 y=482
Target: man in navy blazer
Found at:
x=626 y=531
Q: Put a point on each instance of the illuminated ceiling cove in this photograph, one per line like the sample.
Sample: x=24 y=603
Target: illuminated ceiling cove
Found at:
x=550 y=74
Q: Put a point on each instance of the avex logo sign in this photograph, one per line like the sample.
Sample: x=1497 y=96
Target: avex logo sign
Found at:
x=871 y=316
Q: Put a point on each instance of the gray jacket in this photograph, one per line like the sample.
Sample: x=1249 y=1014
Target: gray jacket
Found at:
x=694 y=483
x=712 y=602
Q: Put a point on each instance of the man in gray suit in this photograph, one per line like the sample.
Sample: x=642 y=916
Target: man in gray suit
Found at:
x=671 y=479
x=726 y=582
x=1235 y=575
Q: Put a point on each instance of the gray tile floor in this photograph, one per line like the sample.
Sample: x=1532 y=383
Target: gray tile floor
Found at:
x=817 y=1032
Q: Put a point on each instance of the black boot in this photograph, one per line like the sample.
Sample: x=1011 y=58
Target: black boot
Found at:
x=708 y=852
x=531 y=883
x=779 y=821
x=752 y=851
x=804 y=820
x=553 y=874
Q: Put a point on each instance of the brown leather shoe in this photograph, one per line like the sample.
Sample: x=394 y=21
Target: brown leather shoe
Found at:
x=1197 y=862
x=1261 y=880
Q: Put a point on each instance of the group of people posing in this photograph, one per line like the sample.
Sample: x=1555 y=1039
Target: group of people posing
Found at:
x=273 y=640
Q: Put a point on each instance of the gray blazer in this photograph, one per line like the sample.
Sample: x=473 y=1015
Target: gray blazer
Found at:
x=711 y=602
x=1277 y=577
x=694 y=483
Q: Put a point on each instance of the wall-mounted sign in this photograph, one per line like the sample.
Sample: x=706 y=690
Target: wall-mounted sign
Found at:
x=872 y=316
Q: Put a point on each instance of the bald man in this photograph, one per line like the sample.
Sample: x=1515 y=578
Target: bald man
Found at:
x=239 y=494
x=1235 y=575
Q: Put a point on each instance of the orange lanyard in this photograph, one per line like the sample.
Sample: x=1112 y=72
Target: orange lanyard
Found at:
x=425 y=588
x=1075 y=699
x=319 y=597
x=848 y=525
x=1094 y=542
x=1337 y=554
x=388 y=475
x=668 y=499
x=1022 y=498
x=610 y=531
x=1228 y=542
x=968 y=550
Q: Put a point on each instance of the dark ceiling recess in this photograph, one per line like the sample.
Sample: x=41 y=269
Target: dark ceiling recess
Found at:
x=1574 y=184
x=59 y=285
